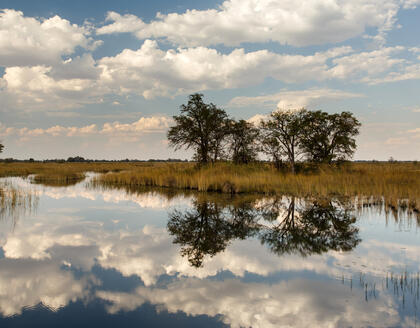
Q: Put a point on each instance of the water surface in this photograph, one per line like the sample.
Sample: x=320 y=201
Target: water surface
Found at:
x=91 y=257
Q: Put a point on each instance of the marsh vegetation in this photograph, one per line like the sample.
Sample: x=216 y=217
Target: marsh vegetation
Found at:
x=15 y=201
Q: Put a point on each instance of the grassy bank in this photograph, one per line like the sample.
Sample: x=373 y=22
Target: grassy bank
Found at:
x=61 y=174
x=59 y=169
x=393 y=181
x=396 y=181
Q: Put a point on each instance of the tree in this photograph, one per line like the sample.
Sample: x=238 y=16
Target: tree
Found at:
x=281 y=136
x=1 y=147
x=329 y=137
x=202 y=127
x=243 y=142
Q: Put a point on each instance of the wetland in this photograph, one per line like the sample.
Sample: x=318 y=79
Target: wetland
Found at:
x=81 y=252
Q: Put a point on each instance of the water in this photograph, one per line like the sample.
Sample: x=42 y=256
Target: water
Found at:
x=89 y=257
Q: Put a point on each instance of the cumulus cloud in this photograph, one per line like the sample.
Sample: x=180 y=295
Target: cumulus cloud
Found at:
x=41 y=87
x=154 y=72
x=309 y=22
x=28 y=41
x=150 y=71
x=143 y=125
x=287 y=99
x=408 y=72
x=364 y=65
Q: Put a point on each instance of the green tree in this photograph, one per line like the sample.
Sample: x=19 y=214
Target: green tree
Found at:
x=329 y=137
x=1 y=147
x=281 y=136
x=243 y=142
x=202 y=127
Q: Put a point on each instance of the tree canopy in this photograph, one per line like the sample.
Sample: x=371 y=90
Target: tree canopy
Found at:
x=243 y=142
x=202 y=127
x=329 y=137
x=287 y=137
x=281 y=135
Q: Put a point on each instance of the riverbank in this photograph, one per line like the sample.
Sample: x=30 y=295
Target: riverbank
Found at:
x=395 y=182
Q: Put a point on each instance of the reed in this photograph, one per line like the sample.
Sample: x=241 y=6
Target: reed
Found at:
x=15 y=202
x=395 y=182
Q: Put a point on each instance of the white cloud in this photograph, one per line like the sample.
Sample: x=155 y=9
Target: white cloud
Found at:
x=150 y=71
x=154 y=72
x=121 y=24
x=27 y=41
x=141 y=126
x=301 y=23
x=408 y=72
x=294 y=99
x=35 y=88
x=256 y=119
x=365 y=65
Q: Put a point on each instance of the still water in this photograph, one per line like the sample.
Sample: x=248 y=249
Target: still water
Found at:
x=82 y=256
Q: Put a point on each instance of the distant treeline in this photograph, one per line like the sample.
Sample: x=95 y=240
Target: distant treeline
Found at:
x=79 y=159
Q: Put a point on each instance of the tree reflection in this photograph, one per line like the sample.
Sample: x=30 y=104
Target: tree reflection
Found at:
x=209 y=227
x=285 y=225
x=313 y=227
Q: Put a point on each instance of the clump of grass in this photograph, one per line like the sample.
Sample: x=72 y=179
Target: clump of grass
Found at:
x=59 y=179
x=16 y=202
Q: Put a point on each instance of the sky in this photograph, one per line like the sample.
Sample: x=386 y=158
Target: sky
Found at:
x=102 y=79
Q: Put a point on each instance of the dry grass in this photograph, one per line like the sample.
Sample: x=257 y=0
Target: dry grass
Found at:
x=49 y=169
x=61 y=174
x=395 y=182
x=15 y=202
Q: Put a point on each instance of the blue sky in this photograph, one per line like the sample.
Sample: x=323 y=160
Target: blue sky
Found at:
x=102 y=79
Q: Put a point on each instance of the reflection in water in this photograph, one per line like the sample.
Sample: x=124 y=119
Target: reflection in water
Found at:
x=209 y=227
x=115 y=249
x=285 y=225
x=313 y=227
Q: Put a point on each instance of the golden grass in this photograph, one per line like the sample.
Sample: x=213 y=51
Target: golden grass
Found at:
x=14 y=202
x=59 y=179
x=61 y=174
x=395 y=182
x=57 y=169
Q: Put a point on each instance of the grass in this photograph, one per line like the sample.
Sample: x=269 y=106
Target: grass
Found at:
x=14 y=202
x=59 y=169
x=60 y=174
x=396 y=182
x=59 y=179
